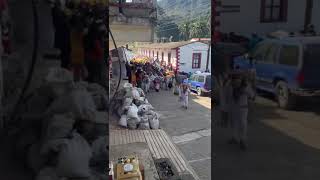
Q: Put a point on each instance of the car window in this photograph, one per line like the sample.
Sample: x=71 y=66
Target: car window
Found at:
x=201 y=79
x=260 y=51
x=289 y=55
x=192 y=78
x=271 y=54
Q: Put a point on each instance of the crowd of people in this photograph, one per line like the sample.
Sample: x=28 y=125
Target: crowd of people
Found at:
x=152 y=77
x=80 y=35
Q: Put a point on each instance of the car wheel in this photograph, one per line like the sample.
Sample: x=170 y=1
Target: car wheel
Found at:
x=284 y=98
x=199 y=91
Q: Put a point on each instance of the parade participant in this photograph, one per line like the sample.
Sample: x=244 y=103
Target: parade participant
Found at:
x=146 y=82
x=225 y=99
x=139 y=78
x=133 y=76
x=242 y=91
x=184 y=95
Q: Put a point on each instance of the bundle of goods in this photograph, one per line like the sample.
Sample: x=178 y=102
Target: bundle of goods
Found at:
x=134 y=110
x=140 y=60
x=64 y=132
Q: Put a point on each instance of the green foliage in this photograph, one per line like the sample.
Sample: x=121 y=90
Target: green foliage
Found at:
x=175 y=18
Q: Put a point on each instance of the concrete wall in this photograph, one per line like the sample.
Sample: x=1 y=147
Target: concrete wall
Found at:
x=316 y=14
x=248 y=19
x=186 y=57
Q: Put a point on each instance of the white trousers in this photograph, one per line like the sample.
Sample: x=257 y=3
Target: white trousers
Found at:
x=240 y=123
x=185 y=101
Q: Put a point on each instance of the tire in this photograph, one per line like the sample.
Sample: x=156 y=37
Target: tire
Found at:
x=285 y=99
x=199 y=91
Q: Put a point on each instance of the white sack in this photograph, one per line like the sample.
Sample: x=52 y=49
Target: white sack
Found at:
x=154 y=122
x=59 y=126
x=135 y=93
x=73 y=159
x=80 y=103
x=132 y=112
x=123 y=121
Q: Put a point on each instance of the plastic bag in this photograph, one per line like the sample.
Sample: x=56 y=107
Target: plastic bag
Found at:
x=132 y=112
x=135 y=93
x=73 y=159
x=144 y=126
x=154 y=122
x=141 y=92
x=123 y=121
x=133 y=122
x=142 y=109
x=59 y=126
x=127 y=85
x=79 y=102
x=99 y=147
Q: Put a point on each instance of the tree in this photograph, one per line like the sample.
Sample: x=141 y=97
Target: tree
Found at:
x=184 y=30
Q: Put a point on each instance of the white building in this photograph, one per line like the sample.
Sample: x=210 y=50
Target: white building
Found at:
x=265 y=16
x=186 y=56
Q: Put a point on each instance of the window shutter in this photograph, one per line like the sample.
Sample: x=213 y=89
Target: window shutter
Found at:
x=284 y=10
x=262 y=10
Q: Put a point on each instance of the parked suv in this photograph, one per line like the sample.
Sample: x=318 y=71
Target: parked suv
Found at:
x=289 y=68
x=200 y=83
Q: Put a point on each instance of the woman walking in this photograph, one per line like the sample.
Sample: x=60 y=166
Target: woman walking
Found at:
x=242 y=91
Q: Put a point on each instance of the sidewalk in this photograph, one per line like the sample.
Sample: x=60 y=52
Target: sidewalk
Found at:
x=157 y=142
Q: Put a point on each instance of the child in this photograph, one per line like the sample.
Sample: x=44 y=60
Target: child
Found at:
x=242 y=91
x=184 y=94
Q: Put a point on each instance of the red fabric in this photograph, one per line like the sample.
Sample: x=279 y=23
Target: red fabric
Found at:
x=97 y=52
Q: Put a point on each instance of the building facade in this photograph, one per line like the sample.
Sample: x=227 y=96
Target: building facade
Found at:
x=132 y=21
x=265 y=16
x=188 y=56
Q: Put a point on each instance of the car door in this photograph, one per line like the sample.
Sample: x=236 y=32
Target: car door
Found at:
x=267 y=67
x=257 y=57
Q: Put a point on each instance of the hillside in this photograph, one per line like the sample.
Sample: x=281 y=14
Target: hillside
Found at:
x=183 y=19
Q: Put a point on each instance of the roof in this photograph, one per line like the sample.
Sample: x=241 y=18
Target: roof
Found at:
x=300 y=39
x=170 y=45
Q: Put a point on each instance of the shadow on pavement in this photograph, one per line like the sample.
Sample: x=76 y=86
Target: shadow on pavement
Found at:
x=271 y=153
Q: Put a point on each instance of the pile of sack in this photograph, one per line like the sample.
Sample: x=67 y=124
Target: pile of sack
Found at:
x=134 y=110
x=63 y=132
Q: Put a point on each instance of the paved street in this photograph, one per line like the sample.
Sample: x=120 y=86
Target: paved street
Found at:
x=283 y=145
x=189 y=129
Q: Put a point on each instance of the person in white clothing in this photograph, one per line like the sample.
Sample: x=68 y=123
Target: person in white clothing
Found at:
x=242 y=92
x=225 y=99
x=184 y=95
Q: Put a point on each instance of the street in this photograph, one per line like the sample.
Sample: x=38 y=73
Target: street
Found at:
x=189 y=129
x=282 y=144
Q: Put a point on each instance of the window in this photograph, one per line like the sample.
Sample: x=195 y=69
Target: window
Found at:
x=157 y=54
x=271 y=54
x=289 y=55
x=193 y=77
x=128 y=1
x=196 y=60
x=201 y=79
x=169 y=58
x=259 y=52
x=274 y=10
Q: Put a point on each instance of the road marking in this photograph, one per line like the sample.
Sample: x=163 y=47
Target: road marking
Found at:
x=191 y=136
x=197 y=160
